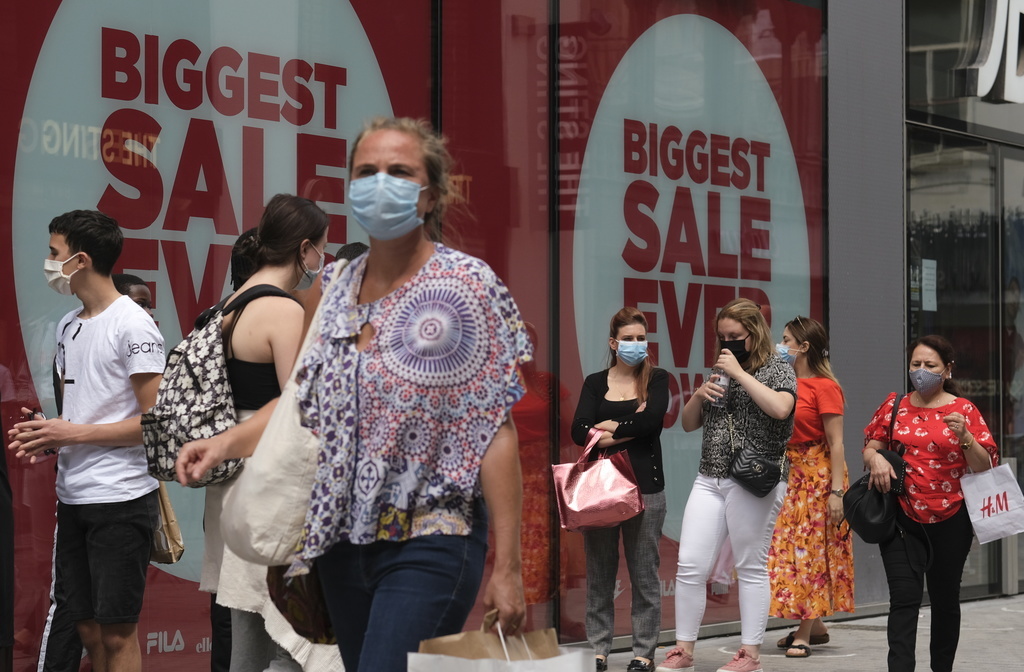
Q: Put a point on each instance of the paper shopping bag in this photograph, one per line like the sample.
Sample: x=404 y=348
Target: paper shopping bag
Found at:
x=485 y=651
x=995 y=503
x=567 y=660
x=168 y=545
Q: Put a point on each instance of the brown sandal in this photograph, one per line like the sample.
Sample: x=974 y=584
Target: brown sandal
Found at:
x=787 y=641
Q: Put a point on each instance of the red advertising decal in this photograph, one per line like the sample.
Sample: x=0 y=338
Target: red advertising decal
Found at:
x=180 y=121
x=690 y=173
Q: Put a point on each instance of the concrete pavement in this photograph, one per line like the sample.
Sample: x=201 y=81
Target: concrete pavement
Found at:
x=991 y=637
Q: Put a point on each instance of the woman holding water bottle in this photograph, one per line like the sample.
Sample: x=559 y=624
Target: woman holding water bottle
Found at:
x=755 y=409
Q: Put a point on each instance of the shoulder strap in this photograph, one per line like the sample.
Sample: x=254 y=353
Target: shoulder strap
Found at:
x=312 y=332
x=243 y=300
x=892 y=418
x=254 y=293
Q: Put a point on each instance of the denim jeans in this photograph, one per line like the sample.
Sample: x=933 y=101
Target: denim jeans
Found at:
x=385 y=597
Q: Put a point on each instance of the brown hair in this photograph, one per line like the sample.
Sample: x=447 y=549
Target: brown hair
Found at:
x=286 y=222
x=436 y=159
x=810 y=331
x=748 y=314
x=641 y=372
x=946 y=353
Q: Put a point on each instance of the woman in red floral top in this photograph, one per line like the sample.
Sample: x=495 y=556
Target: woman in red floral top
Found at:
x=944 y=435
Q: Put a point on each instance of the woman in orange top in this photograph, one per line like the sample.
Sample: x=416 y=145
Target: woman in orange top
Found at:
x=810 y=564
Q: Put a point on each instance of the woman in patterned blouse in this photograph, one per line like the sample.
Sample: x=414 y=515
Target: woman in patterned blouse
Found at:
x=943 y=435
x=409 y=385
x=758 y=411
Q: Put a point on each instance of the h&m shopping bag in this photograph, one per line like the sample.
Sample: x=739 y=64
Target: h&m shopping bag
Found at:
x=484 y=651
x=995 y=502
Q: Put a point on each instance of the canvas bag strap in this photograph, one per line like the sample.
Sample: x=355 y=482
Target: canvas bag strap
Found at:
x=314 y=325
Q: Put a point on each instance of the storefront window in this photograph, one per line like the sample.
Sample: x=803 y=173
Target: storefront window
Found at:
x=958 y=79
x=953 y=234
x=689 y=173
x=1012 y=327
x=664 y=155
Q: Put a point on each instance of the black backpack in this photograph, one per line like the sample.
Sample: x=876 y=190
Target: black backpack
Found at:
x=195 y=399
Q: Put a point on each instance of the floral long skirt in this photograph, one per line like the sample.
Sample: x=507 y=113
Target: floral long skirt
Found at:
x=810 y=563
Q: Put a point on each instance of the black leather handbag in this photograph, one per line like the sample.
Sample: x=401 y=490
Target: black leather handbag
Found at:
x=755 y=471
x=869 y=512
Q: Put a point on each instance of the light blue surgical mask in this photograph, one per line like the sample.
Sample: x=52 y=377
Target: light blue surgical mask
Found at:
x=926 y=382
x=309 y=275
x=632 y=352
x=784 y=352
x=385 y=205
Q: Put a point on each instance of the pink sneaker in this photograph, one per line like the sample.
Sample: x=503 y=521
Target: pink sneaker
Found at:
x=677 y=660
x=742 y=662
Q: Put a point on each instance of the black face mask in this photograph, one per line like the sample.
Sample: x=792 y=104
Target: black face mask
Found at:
x=737 y=348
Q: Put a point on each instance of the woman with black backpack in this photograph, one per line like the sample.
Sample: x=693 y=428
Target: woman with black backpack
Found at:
x=262 y=331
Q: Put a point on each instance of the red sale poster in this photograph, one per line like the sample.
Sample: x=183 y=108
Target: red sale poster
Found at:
x=180 y=121
x=690 y=173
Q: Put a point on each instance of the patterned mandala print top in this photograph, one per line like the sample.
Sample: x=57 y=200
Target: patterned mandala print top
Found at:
x=752 y=425
x=405 y=423
x=935 y=461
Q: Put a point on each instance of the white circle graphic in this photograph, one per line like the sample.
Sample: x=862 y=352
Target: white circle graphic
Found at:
x=689 y=196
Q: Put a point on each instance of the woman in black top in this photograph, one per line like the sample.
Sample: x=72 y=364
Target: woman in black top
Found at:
x=627 y=401
x=261 y=340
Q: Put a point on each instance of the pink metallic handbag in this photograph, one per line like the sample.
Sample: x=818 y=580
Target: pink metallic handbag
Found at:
x=597 y=494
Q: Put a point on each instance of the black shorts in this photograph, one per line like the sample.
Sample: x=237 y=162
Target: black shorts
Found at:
x=103 y=551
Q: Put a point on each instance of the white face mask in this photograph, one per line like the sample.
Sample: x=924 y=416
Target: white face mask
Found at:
x=308 y=276
x=55 y=278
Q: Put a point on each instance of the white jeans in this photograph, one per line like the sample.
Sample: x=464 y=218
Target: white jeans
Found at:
x=719 y=507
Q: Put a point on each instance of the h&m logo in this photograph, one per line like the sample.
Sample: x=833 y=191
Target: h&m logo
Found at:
x=159 y=640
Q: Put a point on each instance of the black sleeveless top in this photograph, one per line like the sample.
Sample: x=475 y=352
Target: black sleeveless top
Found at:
x=252 y=383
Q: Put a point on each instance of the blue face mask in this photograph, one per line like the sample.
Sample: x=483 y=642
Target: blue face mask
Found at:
x=926 y=382
x=632 y=352
x=308 y=274
x=384 y=205
x=783 y=351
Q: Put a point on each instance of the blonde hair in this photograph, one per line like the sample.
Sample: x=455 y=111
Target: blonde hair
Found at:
x=748 y=314
x=436 y=159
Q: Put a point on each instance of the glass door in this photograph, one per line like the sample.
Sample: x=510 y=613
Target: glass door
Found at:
x=953 y=240
x=1012 y=325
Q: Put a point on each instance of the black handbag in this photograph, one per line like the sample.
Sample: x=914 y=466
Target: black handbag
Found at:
x=869 y=512
x=756 y=472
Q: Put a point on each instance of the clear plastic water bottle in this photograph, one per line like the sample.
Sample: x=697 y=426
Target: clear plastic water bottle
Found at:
x=720 y=378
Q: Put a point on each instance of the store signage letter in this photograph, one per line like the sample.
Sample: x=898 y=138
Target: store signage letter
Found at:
x=993 y=74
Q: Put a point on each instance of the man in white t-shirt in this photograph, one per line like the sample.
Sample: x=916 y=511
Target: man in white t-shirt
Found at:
x=110 y=357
